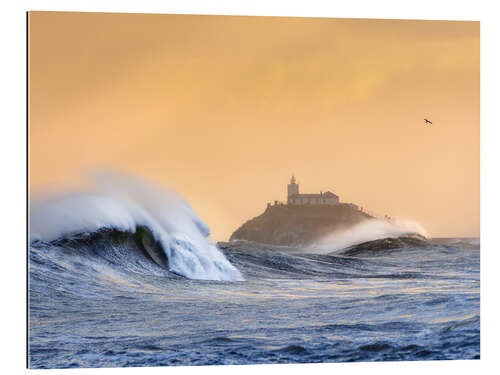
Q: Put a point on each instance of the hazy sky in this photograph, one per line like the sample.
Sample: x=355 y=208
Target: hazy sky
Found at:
x=224 y=110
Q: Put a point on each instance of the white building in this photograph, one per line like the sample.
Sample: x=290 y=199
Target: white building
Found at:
x=295 y=198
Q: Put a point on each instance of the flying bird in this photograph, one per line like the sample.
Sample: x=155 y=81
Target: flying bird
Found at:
x=427 y=121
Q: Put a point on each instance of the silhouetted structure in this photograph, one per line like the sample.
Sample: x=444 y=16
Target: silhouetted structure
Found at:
x=295 y=198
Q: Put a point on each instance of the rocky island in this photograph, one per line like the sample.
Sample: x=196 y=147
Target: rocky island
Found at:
x=299 y=225
x=304 y=219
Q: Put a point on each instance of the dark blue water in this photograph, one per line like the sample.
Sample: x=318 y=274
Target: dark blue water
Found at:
x=98 y=306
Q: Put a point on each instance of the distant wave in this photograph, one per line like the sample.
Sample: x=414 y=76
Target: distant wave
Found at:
x=369 y=230
x=257 y=260
x=124 y=204
x=380 y=246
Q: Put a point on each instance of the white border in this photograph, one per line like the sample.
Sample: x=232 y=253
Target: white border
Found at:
x=13 y=150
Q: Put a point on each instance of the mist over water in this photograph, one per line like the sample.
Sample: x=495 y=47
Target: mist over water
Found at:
x=121 y=202
x=368 y=230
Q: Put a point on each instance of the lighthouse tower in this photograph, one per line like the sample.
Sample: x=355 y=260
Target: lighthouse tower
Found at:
x=293 y=189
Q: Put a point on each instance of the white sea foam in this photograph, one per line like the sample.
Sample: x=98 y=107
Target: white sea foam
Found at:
x=123 y=202
x=368 y=230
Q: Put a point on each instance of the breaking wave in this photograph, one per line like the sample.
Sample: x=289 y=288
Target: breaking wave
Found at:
x=164 y=225
x=369 y=230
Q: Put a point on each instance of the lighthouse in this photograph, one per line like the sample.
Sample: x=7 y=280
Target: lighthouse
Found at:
x=293 y=189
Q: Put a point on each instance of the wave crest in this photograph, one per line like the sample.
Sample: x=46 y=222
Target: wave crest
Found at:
x=125 y=203
x=369 y=230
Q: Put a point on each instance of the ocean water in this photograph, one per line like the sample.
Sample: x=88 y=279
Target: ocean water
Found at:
x=126 y=275
x=97 y=300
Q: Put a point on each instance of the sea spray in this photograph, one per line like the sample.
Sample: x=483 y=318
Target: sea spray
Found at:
x=118 y=201
x=369 y=230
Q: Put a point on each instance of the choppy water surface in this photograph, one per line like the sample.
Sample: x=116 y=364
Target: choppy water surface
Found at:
x=104 y=305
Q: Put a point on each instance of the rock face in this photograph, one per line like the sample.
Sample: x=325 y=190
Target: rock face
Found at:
x=292 y=225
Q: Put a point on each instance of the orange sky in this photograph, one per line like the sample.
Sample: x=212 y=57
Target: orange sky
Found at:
x=224 y=109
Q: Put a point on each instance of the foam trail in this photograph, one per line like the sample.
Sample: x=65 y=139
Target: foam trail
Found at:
x=122 y=202
x=368 y=230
